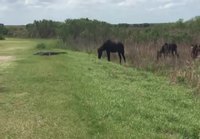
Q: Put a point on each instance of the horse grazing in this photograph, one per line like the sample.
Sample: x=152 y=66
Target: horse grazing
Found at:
x=112 y=47
x=166 y=49
x=195 y=51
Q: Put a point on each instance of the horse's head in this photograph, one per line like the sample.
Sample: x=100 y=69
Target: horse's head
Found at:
x=99 y=51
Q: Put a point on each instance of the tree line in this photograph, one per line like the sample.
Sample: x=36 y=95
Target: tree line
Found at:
x=85 y=31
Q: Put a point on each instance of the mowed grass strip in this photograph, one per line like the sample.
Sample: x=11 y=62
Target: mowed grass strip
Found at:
x=75 y=95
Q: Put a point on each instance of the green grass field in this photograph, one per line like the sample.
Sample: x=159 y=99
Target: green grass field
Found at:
x=75 y=95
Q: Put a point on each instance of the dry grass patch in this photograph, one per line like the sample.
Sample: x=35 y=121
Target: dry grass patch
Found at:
x=6 y=59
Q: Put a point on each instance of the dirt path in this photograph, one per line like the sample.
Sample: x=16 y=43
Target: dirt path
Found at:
x=6 y=58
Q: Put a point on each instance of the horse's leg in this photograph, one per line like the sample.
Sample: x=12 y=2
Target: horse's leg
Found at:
x=176 y=53
x=124 y=57
x=108 y=55
x=164 y=54
x=120 y=58
x=173 y=52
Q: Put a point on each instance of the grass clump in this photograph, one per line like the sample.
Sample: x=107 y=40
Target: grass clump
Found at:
x=41 y=46
x=1 y=37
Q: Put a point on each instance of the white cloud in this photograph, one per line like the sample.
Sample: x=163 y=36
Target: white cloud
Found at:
x=3 y=8
x=131 y=2
x=171 y=5
x=27 y=2
x=40 y=2
x=168 y=4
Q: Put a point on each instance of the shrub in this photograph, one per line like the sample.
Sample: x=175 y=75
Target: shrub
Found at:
x=181 y=79
x=2 y=37
x=41 y=46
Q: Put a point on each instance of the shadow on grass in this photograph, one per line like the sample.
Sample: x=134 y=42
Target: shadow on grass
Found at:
x=49 y=53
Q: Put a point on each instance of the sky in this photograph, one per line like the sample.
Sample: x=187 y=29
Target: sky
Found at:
x=21 y=12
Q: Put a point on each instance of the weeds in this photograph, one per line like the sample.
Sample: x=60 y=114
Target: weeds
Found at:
x=41 y=46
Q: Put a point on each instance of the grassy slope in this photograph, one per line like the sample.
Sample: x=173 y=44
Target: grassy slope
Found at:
x=77 y=96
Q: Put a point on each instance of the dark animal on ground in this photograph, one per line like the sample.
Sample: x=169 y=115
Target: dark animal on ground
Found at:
x=112 y=47
x=195 y=51
x=49 y=53
x=166 y=49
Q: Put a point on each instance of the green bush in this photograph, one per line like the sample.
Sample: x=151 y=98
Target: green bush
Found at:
x=2 y=37
x=41 y=46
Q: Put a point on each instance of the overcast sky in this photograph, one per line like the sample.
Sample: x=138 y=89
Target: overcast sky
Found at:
x=15 y=12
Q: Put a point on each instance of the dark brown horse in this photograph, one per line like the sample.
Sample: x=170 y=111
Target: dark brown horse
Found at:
x=166 y=49
x=195 y=51
x=112 y=47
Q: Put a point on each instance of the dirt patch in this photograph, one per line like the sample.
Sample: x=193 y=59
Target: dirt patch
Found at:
x=6 y=59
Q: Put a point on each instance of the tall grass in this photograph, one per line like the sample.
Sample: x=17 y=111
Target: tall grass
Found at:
x=143 y=56
x=180 y=70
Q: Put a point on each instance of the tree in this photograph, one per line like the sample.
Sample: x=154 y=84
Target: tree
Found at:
x=3 y=31
x=43 y=29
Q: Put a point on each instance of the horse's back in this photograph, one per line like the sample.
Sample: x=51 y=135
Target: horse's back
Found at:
x=121 y=47
x=169 y=47
x=172 y=46
x=114 y=47
x=120 y=44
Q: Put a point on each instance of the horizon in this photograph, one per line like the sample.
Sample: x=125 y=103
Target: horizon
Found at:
x=101 y=21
